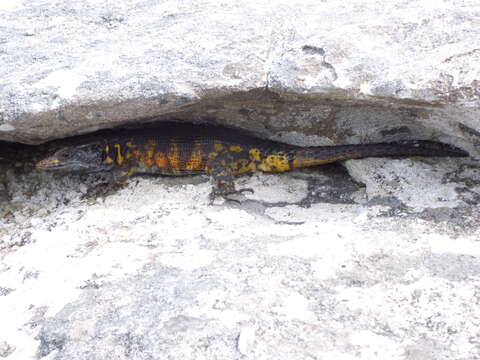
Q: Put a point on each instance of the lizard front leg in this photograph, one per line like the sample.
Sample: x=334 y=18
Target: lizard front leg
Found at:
x=221 y=172
x=116 y=179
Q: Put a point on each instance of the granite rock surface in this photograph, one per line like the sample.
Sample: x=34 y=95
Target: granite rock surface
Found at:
x=371 y=259
x=356 y=72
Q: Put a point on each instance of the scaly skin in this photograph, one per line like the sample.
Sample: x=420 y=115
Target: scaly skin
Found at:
x=185 y=149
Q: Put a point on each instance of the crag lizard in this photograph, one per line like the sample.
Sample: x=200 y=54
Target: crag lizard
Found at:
x=223 y=153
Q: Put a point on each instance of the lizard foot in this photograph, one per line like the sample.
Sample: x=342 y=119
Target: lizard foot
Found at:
x=101 y=191
x=226 y=191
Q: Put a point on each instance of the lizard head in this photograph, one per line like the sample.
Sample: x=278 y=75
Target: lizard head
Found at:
x=82 y=158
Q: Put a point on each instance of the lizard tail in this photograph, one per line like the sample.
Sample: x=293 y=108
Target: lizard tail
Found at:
x=317 y=155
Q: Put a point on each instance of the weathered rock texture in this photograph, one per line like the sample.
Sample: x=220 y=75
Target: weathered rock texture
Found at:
x=314 y=264
x=306 y=268
x=345 y=72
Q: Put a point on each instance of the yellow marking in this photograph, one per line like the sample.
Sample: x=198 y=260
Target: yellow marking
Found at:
x=119 y=154
x=218 y=146
x=128 y=155
x=130 y=144
x=138 y=154
x=195 y=161
x=173 y=156
x=161 y=160
x=147 y=155
x=148 y=159
x=234 y=165
x=235 y=148
x=107 y=149
x=44 y=164
x=282 y=163
x=212 y=155
x=275 y=162
x=246 y=166
x=150 y=144
x=254 y=154
x=300 y=162
x=127 y=174
x=108 y=160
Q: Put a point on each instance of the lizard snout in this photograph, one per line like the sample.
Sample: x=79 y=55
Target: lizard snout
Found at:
x=46 y=163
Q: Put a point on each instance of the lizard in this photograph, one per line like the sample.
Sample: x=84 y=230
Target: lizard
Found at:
x=223 y=153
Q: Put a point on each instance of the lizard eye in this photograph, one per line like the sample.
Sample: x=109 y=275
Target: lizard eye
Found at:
x=66 y=155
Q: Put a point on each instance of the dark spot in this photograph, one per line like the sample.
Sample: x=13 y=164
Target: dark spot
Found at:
x=4 y=291
x=469 y=130
x=162 y=100
x=132 y=344
x=90 y=284
x=401 y=130
x=30 y=275
x=50 y=342
x=245 y=112
x=313 y=50
x=111 y=21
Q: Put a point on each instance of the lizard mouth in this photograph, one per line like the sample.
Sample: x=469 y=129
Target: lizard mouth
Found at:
x=53 y=164
x=47 y=164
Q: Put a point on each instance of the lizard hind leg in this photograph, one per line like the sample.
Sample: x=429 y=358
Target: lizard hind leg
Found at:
x=223 y=178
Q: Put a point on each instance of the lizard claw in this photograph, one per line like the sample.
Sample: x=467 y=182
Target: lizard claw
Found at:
x=225 y=193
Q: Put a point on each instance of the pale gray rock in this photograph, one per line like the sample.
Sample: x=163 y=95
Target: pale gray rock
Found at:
x=246 y=339
x=5 y=349
x=377 y=260
x=356 y=72
x=309 y=267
